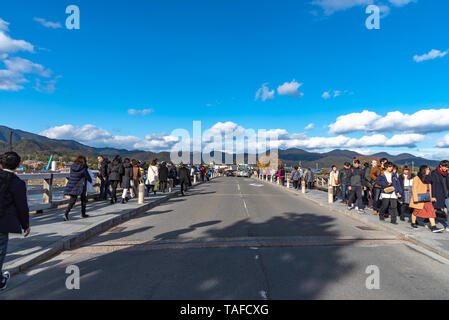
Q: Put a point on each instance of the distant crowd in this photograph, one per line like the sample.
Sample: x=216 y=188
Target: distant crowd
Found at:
x=392 y=194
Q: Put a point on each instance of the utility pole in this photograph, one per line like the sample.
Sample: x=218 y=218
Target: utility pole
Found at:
x=10 y=140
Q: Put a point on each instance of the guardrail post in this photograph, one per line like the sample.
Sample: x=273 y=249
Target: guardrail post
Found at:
x=288 y=182
x=271 y=178
x=303 y=186
x=330 y=194
x=98 y=183
x=48 y=192
x=194 y=179
x=141 y=193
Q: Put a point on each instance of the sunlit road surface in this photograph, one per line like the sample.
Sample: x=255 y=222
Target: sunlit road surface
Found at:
x=235 y=238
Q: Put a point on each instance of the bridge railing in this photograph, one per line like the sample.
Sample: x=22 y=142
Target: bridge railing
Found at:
x=45 y=190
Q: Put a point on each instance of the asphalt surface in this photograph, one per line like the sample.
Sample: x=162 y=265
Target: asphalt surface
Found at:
x=235 y=238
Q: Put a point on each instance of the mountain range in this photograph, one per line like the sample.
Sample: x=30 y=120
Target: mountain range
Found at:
x=30 y=144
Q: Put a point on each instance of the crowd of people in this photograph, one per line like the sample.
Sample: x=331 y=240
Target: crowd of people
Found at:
x=392 y=194
x=297 y=175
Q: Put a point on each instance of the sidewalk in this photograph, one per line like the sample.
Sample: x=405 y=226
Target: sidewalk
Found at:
x=50 y=234
x=435 y=242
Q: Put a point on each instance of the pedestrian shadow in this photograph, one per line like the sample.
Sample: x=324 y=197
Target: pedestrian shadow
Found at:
x=255 y=257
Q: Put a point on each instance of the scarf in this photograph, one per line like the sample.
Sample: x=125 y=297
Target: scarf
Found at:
x=444 y=174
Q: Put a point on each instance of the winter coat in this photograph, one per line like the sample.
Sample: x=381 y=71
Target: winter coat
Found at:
x=440 y=189
x=356 y=177
x=367 y=175
x=103 y=169
x=172 y=173
x=115 y=171
x=184 y=176
x=152 y=176
x=375 y=172
x=418 y=188
x=296 y=175
x=14 y=212
x=77 y=183
x=343 y=177
x=308 y=176
x=396 y=183
x=125 y=182
x=333 y=178
x=163 y=173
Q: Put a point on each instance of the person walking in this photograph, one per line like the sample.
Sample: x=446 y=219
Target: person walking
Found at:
x=184 y=178
x=77 y=186
x=125 y=182
x=375 y=172
x=308 y=176
x=333 y=181
x=296 y=177
x=14 y=211
x=367 y=180
x=422 y=199
x=343 y=179
x=282 y=175
x=103 y=164
x=406 y=180
x=163 y=177
x=115 y=172
x=152 y=176
x=370 y=183
x=172 y=176
x=440 y=188
x=391 y=191
x=136 y=178
x=356 y=186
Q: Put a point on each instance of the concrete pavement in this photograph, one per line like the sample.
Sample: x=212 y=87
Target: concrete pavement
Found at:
x=235 y=238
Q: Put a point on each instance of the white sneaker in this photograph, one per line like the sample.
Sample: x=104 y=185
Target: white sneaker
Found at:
x=4 y=282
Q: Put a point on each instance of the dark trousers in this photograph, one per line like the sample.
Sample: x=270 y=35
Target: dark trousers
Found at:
x=295 y=184
x=344 y=192
x=335 y=192
x=114 y=186
x=72 y=202
x=404 y=209
x=393 y=205
x=184 y=186
x=3 y=247
x=355 y=196
x=162 y=185
x=104 y=189
x=135 y=187
x=376 y=202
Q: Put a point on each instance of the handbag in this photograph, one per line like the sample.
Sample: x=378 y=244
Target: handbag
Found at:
x=424 y=197
x=389 y=189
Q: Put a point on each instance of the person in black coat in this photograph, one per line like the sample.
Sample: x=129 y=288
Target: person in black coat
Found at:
x=14 y=212
x=163 y=177
x=126 y=179
x=172 y=176
x=440 y=185
x=103 y=164
x=77 y=186
x=115 y=172
x=184 y=178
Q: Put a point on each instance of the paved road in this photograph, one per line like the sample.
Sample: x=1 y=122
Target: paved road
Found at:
x=235 y=238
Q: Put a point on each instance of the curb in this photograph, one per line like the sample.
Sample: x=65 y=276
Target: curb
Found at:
x=400 y=234
x=71 y=241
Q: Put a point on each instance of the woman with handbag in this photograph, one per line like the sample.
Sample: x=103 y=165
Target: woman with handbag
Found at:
x=421 y=200
x=152 y=177
x=391 y=191
x=407 y=187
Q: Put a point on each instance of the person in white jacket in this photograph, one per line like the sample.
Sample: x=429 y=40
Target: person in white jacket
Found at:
x=152 y=176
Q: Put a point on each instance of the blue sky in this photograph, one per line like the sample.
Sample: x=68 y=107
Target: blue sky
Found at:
x=181 y=61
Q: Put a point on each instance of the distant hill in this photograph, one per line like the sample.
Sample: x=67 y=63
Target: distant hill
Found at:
x=27 y=143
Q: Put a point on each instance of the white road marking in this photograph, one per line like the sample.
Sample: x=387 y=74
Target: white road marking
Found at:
x=256 y=185
x=238 y=187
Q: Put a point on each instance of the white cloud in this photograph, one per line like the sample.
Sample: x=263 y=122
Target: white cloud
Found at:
x=13 y=76
x=48 y=24
x=331 y=6
x=9 y=45
x=326 y=95
x=291 y=89
x=49 y=86
x=264 y=93
x=97 y=137
x=309 y=127
x=143 y=112
x=423 y=121
x=433 y=54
